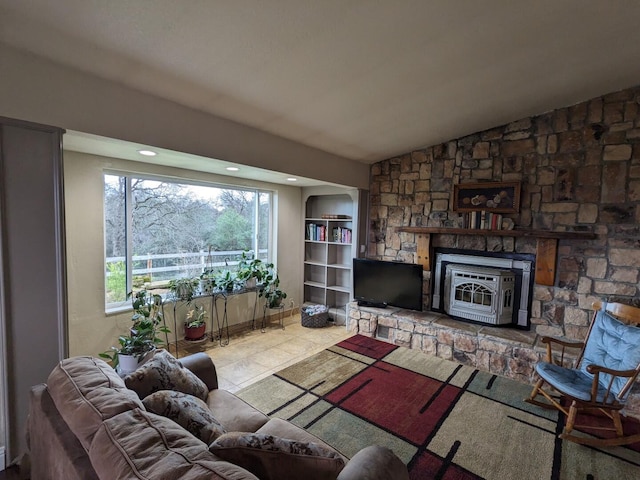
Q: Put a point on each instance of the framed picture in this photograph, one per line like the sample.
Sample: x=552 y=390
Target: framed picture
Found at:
x=500 y=197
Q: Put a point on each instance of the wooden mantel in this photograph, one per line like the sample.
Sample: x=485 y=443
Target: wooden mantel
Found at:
x=546 y=245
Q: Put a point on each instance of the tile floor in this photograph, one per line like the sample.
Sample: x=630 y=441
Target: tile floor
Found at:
x=252 y=355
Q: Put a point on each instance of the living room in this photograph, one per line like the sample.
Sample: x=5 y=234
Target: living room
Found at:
x=40 y=89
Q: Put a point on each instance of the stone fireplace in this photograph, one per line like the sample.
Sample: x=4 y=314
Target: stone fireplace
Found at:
x=579 y=169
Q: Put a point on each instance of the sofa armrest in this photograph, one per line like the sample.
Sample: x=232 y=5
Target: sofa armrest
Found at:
x=54 y=450
x=202 y=365
x=374 y=463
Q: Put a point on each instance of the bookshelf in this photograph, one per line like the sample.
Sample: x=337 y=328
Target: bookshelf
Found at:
x=330 y=244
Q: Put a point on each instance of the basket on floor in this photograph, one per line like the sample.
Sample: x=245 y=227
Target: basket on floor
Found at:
x=315 y=316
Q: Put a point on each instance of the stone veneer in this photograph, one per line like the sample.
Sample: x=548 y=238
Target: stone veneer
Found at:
x=502 y=351
x=579 y=168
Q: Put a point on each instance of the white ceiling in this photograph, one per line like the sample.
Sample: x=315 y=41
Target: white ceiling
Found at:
x=364 y=79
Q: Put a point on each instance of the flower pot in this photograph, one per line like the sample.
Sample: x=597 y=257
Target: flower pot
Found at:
x=207 y=285
x=130 y=363
x=251 y=282
x=127 y=363
x=194 y=333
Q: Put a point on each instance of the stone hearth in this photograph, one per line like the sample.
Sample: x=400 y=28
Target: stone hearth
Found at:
x=502 y=351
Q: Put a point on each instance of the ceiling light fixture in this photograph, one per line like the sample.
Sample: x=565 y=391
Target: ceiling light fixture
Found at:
x=233 y=169
x=291 y=179
x=147 y=153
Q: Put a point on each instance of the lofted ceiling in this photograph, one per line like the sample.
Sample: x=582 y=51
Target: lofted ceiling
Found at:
x=363 y=79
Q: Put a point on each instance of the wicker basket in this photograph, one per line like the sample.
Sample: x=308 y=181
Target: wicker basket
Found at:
x=315 y=319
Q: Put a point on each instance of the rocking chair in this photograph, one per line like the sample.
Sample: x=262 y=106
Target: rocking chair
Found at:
x=604 y=373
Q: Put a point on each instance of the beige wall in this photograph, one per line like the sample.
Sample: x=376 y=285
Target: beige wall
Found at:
x=92 y=331
x=35 y=89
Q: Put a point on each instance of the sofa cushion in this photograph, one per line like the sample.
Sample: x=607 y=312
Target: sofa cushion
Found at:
x=140 y=444
x=188 y=411
x=233 y=413
x=274 y=458
x=164 y=372
x=281 y=428
x=87 y=391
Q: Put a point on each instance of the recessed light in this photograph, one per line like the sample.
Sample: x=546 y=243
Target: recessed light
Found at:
x=233 y=169
x=291 y=179
x=147 y=153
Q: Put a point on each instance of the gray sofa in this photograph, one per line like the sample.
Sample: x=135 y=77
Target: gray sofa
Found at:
x=85 y=424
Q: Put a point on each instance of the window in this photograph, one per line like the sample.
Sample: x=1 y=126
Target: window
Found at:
x=157 y=229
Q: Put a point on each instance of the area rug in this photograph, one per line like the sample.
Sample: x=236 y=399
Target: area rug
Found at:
x=444 y=420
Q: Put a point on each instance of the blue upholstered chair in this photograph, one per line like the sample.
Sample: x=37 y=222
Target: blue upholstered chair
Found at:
x=604 y=372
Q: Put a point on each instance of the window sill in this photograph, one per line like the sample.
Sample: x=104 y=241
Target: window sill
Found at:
x=117 y=310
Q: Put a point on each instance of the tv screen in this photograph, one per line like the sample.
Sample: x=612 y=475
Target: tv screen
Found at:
x=378 y=283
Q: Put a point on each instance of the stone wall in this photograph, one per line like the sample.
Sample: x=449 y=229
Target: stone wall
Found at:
x=579 y=168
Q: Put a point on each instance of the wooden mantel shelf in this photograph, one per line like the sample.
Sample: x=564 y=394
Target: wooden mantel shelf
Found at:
x=518 y=232
x=546 y=245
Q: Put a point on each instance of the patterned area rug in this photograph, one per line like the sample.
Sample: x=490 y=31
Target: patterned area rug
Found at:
x=444 y=420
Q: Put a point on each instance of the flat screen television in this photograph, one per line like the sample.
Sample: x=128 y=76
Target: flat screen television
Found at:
x=379 y=283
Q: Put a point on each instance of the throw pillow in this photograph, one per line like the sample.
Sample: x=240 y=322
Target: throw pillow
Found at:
x=188 y=411
x=274 y=458
x=164 y=372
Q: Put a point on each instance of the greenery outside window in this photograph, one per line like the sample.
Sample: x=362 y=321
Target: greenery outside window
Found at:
x=159 y=229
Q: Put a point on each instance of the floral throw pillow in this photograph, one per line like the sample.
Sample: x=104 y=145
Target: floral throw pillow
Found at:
x=164 y=372
x=188 y=411
x=273 y=458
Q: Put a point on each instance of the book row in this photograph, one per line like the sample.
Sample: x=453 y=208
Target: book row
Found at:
x=482 y=220
x=318 y=233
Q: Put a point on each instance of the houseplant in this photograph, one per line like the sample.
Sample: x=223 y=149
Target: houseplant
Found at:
x=147 y=323
x=195 y=323
x=271 y=290
x=184 y=288
x=226 y=281
x=130 y=352
x=207 y=282
x=252 y=270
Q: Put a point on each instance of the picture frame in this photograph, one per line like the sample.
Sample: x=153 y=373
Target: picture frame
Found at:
x=499 y=197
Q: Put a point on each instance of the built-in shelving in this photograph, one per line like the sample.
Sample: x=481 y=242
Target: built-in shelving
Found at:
x=329 y=248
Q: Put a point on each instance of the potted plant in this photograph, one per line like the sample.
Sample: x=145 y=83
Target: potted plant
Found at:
x=195 y=323
x=252 y=270
x=184 y=288
x=226 y=281
x=147 y=313
x=271 y=290
x=131 y=352
x=143 y=334
x=207 y=282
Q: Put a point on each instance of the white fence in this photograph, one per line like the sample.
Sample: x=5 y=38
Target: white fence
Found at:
x=192 y=264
